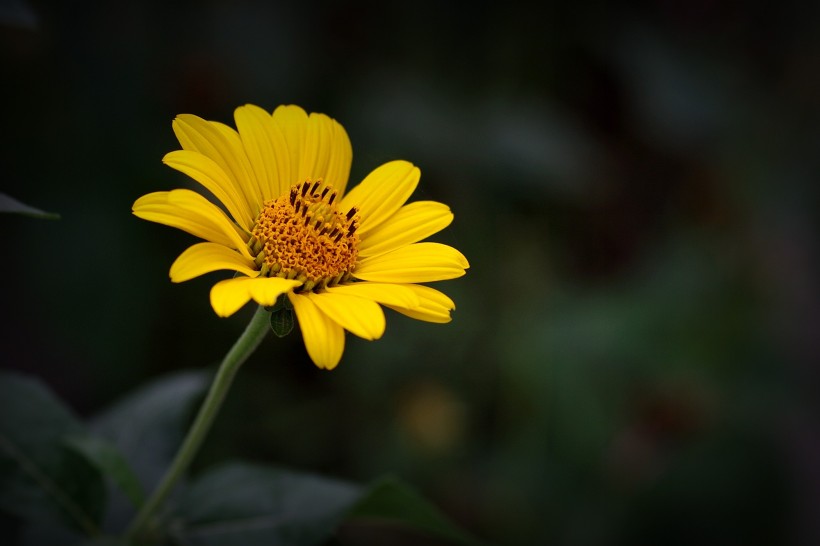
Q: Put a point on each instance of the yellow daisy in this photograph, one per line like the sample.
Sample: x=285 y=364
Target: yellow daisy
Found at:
x=288 y=227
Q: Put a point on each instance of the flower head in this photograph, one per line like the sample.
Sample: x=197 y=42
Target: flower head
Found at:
x=286 y=226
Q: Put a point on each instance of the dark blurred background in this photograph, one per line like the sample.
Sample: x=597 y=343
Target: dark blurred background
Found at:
x=633 y=359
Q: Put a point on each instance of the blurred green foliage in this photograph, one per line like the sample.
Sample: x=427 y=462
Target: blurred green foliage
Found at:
x=633 y=355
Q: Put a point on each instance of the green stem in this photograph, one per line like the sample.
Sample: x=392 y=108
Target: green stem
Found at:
x=241 y=350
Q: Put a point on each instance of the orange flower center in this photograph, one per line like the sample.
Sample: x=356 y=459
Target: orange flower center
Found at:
x=302 y=235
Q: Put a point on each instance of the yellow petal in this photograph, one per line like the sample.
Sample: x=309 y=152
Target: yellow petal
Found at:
x=317 y=145
x=221 y=144
x=382 y=193
x=316 y=151
x=433 y=307
x=388 y=294
x=360 y=316
x=310 y=148
x=412 y=223
x=241 y=164
x=189 y=211
x=419 y=262
x=205 y=171
x=292 y=123
x=341 y=156
x=266 y=290
x=327 y=153
x=228 y=296
x=266 y=149
x=203 y=258
x=324 y=338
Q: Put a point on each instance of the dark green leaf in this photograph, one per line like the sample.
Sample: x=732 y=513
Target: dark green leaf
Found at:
x=392 y=501
x=40 y=532
x=40 y=478
x=10 y=204
x=247 y=505
x=110 y=462
x=41 y=535
x=147 y=427
x=104 y=541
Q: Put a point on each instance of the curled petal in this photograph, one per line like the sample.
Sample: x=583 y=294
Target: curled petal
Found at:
x=205 y=171
x=228 y=296
x=204 y=258
x=223 y=146
x=189 y=211
x=411 y=224
x=420 y=262
x=433 y=307
x=360 y=316
x=384 y=293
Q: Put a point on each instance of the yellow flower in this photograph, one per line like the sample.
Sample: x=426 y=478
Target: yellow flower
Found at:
x=288 y=227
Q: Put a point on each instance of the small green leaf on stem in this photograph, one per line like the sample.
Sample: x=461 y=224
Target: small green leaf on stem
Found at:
x=281 y=322
x=281 y=317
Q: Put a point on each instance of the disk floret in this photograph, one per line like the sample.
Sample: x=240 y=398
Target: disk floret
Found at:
x=303 y=235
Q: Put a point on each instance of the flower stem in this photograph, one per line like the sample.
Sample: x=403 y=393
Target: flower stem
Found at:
x=249 y=340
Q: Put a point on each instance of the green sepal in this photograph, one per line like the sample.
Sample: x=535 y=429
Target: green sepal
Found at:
x=281 y=317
